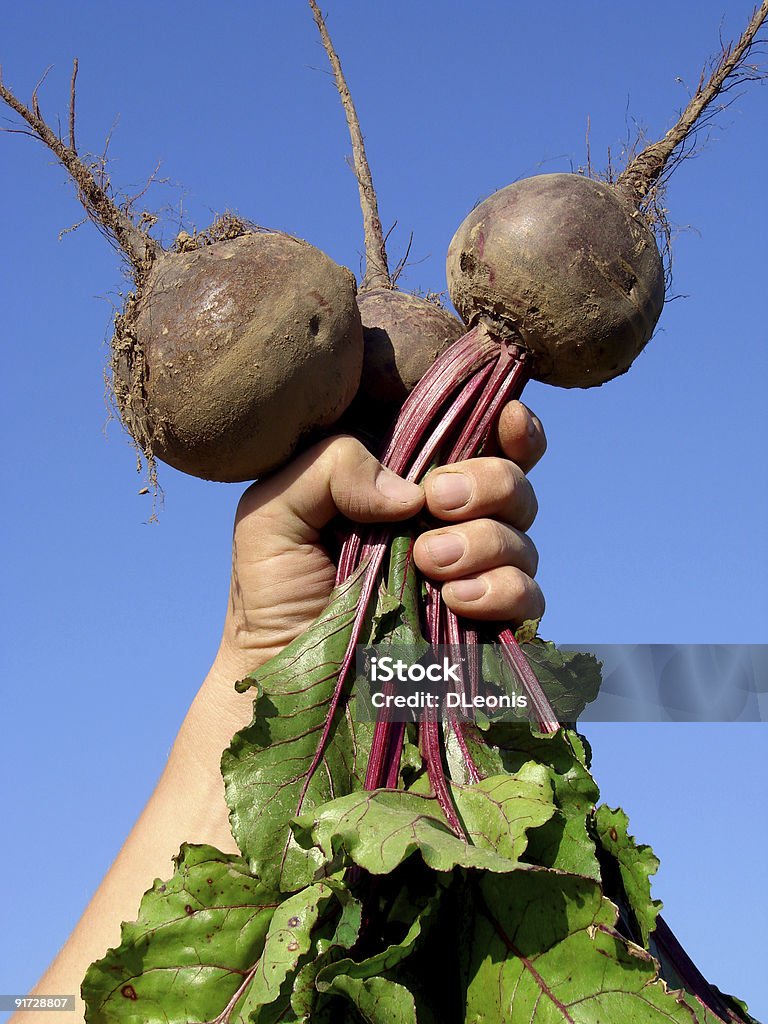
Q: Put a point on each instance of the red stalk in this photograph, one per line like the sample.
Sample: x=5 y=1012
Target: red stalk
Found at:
x=394 y=754
x=510 y=649
x=455 y=640
x=429 y=741
x=455 y=407
x=429 y=728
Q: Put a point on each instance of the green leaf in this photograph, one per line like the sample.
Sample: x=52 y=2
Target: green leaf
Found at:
x=380 y=829
x=388 y=958
x=498 y=811
x=378 y=1000
x=570 y=679
x=527 y=631
x=304 y=996
x=403 y=582
x=542 y=949
x=403 y=905
x=372 y=985
x=396 y=619
x=412 y=766
x=288 y=939
x=385 y=618
x=267 y=766
x=195 y=938
x=635 y=864
x=563 y=842
x=736 y=1006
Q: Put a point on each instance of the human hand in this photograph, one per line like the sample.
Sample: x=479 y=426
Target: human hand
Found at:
x=283 y=573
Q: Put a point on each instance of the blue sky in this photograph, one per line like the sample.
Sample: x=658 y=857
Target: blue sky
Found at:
x=654 y=491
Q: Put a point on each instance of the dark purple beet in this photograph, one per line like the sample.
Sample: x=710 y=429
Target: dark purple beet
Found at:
x=403 y=335
x=568 y=266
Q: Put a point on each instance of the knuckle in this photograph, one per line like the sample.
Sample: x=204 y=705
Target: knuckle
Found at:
x=543 y=442
x=531 y=599
x=348 y=452
x=501 y=540
x=539 y=602
x=521 y=592
x=532 y=510
x=499 y=480
x=515 y=584
x=506 y=476
x=532 y=554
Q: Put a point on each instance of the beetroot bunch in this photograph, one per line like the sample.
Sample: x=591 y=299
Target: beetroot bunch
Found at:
x=370 y=851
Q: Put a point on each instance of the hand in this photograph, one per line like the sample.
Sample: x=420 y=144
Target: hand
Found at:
x=283 y=574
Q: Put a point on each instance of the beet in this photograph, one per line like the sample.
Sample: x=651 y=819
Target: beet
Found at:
x=403 y=335
x=230 y=353
x=231 y=347
x=566 y=265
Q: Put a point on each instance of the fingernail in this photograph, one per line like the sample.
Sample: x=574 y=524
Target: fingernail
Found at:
x=468 y=590
x=445 y=548
x=531 y=424
x=397 y=489
x=451 y=490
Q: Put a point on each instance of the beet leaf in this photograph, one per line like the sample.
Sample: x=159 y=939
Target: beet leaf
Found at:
x=270 y=767
x=197 y=936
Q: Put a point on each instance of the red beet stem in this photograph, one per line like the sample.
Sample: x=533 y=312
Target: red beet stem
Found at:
x=510 y=375
x=456 y=637
x=510 y=649
x=429 y=727
x=395 y=753
x=379 y=767
x=469 y=362
x=429 y=739
x=450 y=416
x=472 y=351
x=464 y=400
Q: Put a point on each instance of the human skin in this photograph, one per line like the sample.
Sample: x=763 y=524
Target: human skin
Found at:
x=282 y=576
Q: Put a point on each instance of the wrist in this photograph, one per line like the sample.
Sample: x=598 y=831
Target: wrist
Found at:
x=218 y=710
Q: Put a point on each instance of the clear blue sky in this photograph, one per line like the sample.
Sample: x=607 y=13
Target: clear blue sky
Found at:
x=654 y=492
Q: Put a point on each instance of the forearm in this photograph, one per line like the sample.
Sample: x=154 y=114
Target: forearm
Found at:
x=187 y=805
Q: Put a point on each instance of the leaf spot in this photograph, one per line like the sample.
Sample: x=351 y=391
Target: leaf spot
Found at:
x=613 y=834
x=188 y=909
x=294 y=922
x=292 y=946
x=128 y=992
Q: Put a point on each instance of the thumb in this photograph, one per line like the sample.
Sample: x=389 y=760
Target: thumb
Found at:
x=339 y=475
x=344 y=477
x=364 y=491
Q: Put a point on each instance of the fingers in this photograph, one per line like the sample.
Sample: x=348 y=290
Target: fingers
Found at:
x=480 y=488
x=486 y=568
x=521 y=435
x=484 y=561
x=361 y=489
x=473 y=548
x=505 y=593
